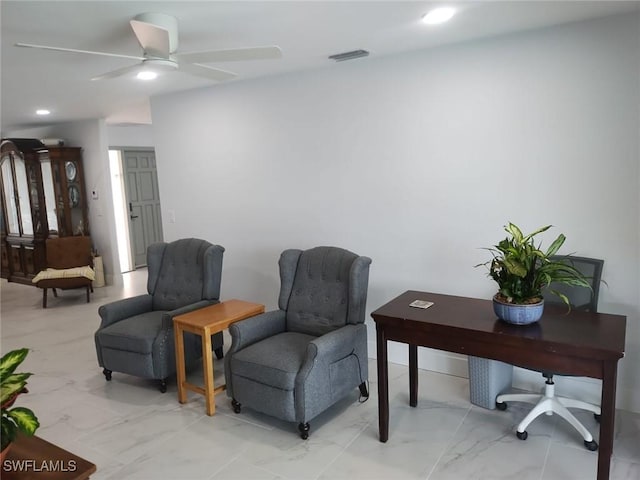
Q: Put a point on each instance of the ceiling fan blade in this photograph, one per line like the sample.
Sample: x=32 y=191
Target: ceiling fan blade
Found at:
x=74 y=50
x=207 y=72
x=119 y=72
x=233 y=54
x=153 y=39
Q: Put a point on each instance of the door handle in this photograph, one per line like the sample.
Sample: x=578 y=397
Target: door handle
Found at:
x=131 y=210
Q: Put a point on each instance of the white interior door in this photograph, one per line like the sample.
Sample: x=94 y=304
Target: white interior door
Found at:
x=143 y=202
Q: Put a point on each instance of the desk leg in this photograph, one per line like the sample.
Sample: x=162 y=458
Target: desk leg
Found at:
x=383 y=385
x=207 y=359
x=413 y=375
x=607 y=419
x=180 y=367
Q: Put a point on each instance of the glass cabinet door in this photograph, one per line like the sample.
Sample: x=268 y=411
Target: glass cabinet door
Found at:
x=12 y=222
x=49 y=195
x=76 y=201
x=23 y=195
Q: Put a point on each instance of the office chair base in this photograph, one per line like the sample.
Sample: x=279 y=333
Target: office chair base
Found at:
x=549 y=404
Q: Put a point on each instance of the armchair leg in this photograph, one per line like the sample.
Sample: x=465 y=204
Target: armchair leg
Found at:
x=219 y=353
x=163 y=385
x=363 y=390
x=91 y=286
x=55 y=292
x=304 y=430
x=88 y=295
x=237 y=407
x=107 y=374
x=44 y=298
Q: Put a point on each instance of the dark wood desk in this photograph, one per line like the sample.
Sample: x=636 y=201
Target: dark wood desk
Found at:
x=37 y=459
x=579 y=343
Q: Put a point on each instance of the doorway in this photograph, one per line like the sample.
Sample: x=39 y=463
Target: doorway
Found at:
x=136 y=199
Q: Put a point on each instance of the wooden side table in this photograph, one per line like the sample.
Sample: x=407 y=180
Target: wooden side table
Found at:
x=35 y=458
x=205 y=322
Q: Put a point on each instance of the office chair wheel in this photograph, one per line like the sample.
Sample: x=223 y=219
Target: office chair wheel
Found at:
x=163 y=386
x=592 y=445
x=501 y=406
x=107 y=374
x=523 y=435
x=597 y=417
x=236 y=406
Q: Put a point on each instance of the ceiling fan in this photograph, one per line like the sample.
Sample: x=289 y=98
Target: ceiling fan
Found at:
x=157 y=34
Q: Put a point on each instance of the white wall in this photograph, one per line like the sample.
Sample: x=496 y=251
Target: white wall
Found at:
x=418 y=161
x=130 y=136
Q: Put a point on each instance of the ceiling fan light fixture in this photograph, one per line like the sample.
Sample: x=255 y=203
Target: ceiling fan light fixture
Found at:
x=157 y=35
x=438 y=15
x=42 y=111
x=146 y=75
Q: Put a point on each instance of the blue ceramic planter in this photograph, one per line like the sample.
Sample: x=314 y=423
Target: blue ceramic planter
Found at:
x=518 y=314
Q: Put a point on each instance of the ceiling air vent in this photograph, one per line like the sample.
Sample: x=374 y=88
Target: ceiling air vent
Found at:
x=341 y=57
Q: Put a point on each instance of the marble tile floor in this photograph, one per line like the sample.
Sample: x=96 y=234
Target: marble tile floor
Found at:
x=132 y=431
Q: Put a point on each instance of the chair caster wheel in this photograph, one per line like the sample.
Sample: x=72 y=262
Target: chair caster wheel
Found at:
x=592 y=445
x=501 y=406
x=597 y=417
x=107 y=374
x=163 y=386
x=304 y=430
x=237 y=407
x=523 y=435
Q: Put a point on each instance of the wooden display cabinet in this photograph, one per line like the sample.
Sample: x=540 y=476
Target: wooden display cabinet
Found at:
x=43 y=195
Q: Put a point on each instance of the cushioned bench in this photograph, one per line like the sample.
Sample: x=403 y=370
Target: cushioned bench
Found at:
x=69 y=265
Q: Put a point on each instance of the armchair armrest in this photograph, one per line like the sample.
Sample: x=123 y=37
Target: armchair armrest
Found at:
x=167 y=317
x=254 y=329
x=336 y=351
x=125 y=308
x=334 y=345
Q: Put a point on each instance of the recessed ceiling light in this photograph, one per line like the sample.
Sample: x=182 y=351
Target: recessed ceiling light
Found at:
x=438 y=15
x=42 y=111
x=146 y=75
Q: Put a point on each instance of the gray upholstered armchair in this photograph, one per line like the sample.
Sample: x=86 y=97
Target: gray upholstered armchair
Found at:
x=136 y=334
x=295 y=362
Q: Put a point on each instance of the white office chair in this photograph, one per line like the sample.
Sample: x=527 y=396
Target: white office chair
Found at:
x=548 y=403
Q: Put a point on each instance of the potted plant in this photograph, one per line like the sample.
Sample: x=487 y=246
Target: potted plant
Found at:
x=522 y=271
x=14 y=419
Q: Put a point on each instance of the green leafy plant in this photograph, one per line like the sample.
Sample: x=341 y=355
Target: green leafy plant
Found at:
x=522 y=270
x=16 y=419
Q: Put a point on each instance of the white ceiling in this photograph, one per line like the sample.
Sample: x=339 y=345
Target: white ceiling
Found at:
x=307 y=32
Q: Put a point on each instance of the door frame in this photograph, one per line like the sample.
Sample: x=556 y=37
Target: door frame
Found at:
x=120 y=204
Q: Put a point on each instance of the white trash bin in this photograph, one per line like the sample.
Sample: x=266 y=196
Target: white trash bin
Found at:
x=488 y=379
